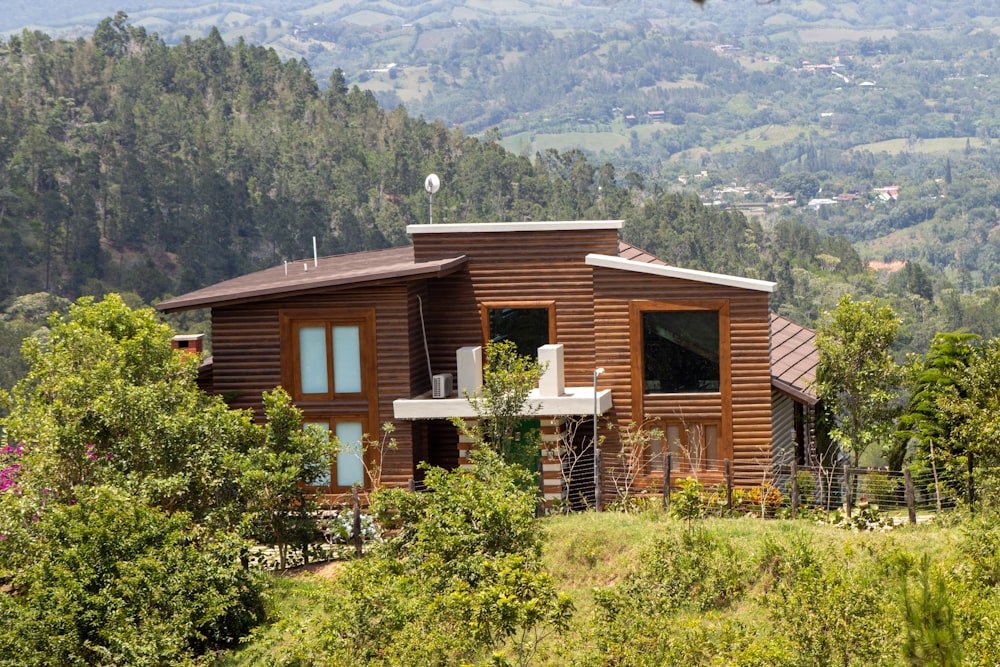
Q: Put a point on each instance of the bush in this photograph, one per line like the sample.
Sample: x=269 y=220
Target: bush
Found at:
x=467 y=551
x=112 y=581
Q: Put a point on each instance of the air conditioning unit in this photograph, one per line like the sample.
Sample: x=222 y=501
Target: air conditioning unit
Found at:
x=441 y=385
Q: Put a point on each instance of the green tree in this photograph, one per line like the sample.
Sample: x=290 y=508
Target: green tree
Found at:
x=108 y=401
x=502 y=404
x=470 y=549
x=857 y=378
x=924 y=420
x=110 y=581
x=280 y=509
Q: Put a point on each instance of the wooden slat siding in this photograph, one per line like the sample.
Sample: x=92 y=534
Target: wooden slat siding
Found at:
x=507 y=267
x=747 y=435
x=247 y=360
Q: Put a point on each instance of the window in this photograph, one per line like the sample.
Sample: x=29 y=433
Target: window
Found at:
x=327 y=357
x=680 y=351
x=348 y=467
x=691 y=447
x=528 y=326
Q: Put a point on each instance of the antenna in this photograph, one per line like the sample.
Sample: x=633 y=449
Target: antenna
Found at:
x=432 y=184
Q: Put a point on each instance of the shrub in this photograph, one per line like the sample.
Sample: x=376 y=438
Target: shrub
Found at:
x=112 y=581
x=688 y=570
x=466 y=551
x=688 y=502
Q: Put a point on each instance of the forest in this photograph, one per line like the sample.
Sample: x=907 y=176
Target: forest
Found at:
x=132 y=504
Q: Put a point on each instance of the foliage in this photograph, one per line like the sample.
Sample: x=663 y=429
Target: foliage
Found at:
x=468 y=548
x=108 y=402
x=932 y=637
x=933 y=382
x=502 y=404
x=833 y=611
x=108 y=580
x=685 y=569
x=688 y=501
x=865 y=517
x=857 y=377
x=280 y=510
x=972 y=410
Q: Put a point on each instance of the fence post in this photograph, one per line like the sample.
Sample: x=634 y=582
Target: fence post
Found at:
x=357 y=522
x=795 y=488
x=412 y=485
x=666 y=481
x=911 y=501
x=848 y=496
x=667 y=466
x=729 y=484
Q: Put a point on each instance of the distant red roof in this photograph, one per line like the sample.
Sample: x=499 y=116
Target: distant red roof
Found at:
x=794 y=359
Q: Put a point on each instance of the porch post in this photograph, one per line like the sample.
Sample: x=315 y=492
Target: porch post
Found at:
x=553 y=441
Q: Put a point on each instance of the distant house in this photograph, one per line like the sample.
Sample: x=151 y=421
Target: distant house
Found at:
x=397 y=335
x=657 y=116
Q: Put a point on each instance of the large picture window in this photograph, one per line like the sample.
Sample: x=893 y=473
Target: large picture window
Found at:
x=681 y=351
x=527 y=325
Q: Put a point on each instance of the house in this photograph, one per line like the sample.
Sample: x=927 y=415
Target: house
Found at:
x=794 y=401
x=372 y=337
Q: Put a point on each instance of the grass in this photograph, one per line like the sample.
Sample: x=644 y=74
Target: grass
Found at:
x=588 y=551
x=939 y=146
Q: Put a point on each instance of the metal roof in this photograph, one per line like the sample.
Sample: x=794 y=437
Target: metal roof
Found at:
x=306 y=275
x=794 y=358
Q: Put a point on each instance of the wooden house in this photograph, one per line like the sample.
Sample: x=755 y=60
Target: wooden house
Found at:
x=396 y=336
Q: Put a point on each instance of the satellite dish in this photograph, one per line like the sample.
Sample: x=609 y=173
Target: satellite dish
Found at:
x=432 y=183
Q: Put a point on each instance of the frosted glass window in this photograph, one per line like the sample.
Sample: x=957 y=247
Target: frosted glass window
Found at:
x=673 y=435
x=347 y=360
x=350 y=468
x=656 y=454
x=711 y=441
x=323 y=479
x=312 y=360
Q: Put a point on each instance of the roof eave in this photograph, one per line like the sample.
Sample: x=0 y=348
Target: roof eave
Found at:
x=433 y=269
x=796 y=393
x=610 y=262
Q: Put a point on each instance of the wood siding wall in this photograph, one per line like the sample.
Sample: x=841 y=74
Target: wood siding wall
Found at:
x=744 y=415
x=247 y=359
x=511 y=267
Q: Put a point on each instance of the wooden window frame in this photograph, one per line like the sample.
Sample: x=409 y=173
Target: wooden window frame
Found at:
x=637 y=348
x=369 y=458
x=683 y=464
x=292 y=320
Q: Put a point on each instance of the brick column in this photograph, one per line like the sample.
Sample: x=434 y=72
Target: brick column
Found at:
x=465 y=445
x=553 y=439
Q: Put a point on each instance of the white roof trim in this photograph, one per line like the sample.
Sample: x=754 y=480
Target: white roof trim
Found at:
x=609 y=262
x=487 y=227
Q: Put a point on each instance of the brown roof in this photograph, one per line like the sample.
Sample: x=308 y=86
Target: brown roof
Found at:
x=794 y=359
x=628 y=251
x=301 y=276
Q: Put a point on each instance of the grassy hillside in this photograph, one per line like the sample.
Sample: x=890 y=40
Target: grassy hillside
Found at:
x=588 y=552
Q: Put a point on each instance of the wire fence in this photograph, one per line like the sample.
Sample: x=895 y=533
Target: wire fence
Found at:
x=774 y=485
x=752 y=485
